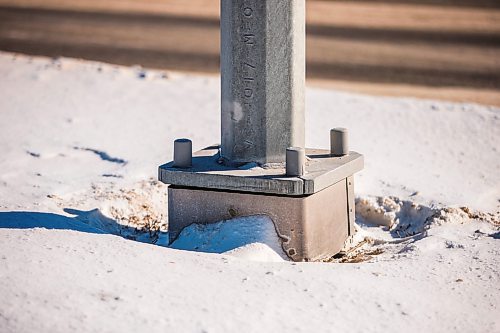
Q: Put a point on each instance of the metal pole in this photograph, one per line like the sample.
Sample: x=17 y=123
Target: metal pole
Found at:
x=262 y=79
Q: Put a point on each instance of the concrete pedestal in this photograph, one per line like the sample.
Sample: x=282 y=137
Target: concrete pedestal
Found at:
x=311 y=227
x=313 y=213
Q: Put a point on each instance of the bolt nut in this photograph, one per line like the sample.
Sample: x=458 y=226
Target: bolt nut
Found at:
x=183 y=153
x=295 y=161
x=339 y=141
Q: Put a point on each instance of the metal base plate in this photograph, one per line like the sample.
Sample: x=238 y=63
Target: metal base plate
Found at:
x=322 y=170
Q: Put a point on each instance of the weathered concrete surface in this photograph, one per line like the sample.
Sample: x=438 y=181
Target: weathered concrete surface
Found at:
x=321 y=171
x=262 y=78
x=311 y=228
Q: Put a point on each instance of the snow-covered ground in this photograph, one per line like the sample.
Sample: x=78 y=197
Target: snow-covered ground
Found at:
x=83 y=220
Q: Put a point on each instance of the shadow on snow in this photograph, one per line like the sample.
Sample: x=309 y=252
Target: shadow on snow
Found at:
x=92 y=221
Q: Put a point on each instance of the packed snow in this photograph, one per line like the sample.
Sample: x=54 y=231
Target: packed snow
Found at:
x=250 y=237
x=83 y=225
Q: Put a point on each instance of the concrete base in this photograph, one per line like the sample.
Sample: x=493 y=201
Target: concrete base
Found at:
x=311 y=227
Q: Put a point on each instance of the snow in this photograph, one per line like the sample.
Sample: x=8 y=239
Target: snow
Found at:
x=253 y=238
x=83 y=226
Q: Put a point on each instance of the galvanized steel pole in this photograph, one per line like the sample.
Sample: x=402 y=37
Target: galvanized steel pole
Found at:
x=263 y=79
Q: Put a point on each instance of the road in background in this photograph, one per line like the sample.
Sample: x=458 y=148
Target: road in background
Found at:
x=430 y=48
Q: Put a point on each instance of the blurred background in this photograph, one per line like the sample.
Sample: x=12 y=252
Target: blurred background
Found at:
x=445 y=49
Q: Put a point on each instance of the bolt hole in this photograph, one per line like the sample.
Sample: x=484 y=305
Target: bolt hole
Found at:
x=233 y=212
